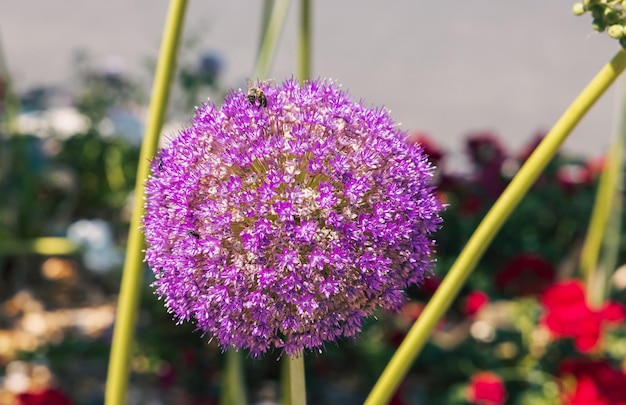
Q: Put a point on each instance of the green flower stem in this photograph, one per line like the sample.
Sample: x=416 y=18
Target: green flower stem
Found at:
x=293 y=381
x=601 y=231
x=270 y=39
x=486 y=231
x=272 y=21
x=297 y=387
x=234 y=391
x=123 y=335
x=304 y=41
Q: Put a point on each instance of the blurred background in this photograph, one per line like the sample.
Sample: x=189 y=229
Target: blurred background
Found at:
x=443 y=68
x=477 y=83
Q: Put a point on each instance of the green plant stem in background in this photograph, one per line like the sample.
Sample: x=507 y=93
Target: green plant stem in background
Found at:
x=130 y=290
x=285 y=385
x=612 y=240
x=604 y=225
x=266 y=11
x=113 y=170
x=270 y=39
x=486 y=231
x=304 y=41
x=11 y=101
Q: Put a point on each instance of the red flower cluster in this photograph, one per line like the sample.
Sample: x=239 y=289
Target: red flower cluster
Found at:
x=474 y=302
x=568 y=315
x=49 y=396
x=485 y=149
x=487 y=154
x=486 y=388
x=594 y=383
x=525 y=274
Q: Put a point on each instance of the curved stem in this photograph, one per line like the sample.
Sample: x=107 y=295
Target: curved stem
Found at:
x=486 y=231
x=123 y=335
x=270 y=39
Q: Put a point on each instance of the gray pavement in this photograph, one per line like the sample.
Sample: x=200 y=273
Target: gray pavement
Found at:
x=442 y=67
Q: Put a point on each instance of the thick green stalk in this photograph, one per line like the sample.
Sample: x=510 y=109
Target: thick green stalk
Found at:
x=304 y=41
x=270 y=39
x=123 y=335
x=295 y=380
x=272 y=21
x=297 y=385
x=486 y=231
x=294 y=383
x=604 y=225
x=235 y=390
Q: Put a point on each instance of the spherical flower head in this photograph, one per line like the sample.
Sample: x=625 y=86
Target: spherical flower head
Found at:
x=283 y=219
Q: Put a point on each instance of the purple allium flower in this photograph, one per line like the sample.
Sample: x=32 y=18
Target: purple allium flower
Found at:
x=285 y=226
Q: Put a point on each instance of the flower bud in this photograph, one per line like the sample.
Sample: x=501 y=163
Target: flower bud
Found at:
x=610 y=16
x=616 y=31
x=579 y=9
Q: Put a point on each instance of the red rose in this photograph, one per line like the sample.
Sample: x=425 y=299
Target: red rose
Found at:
x=568 y=315
x=595 y=383
x=474 y=302
x=525 y=274
x=487 y=154
x=430 y=285
x=485 y=148
x=572 y=176
x=49 y=396
x=470 y=205
x=486 y=388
